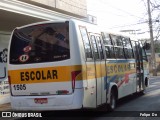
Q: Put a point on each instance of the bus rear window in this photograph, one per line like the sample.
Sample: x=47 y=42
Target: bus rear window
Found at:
x=40 y=43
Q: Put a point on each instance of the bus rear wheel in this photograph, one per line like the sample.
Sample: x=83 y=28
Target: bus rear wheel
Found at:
x=112 y=105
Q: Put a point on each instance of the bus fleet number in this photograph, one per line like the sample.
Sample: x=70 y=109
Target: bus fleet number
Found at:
x=19 y=87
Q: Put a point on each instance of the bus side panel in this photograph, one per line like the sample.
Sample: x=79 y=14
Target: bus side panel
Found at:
x=130 y=76
x=123 y=74
x=90 y=90
x=134 y=77
x=104 y=82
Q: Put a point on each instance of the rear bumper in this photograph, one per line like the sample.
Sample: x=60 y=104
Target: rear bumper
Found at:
x=56 y=102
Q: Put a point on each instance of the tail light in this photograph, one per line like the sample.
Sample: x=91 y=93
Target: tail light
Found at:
x=74 y=75
x=9 y=80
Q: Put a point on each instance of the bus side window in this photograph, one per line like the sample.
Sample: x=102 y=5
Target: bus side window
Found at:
x=86 y=42
x=100 y=47
x=119 y=52
x=118 y=46
x=127 y=48
x=109 y=50
x=106 y=39
x=95 y=47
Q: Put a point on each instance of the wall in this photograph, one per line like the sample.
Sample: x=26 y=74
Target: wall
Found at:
x=4 y=86
x=76 y=8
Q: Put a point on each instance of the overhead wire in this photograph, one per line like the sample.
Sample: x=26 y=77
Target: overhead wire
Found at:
x=123 y=11
x=128 y=25
x=126 y=12
x=100 y=11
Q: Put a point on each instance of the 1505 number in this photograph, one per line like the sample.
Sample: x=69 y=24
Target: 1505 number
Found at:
x=19 y=87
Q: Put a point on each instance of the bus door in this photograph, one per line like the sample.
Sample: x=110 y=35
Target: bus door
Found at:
x=101 y=87
x=90 y=83
x=139 y=67
x=99 y=64
x=144 y=72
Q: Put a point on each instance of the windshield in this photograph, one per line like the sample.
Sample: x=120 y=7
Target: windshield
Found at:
x=40 y=43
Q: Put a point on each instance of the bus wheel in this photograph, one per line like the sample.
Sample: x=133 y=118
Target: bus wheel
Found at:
x=112 y=105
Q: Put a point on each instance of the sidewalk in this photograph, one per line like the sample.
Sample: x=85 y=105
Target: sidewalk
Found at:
x=151 y=75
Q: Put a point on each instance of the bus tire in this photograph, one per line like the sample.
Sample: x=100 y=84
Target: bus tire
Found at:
x=112 y=105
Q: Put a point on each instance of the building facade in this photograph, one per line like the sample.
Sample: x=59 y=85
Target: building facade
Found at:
x=16 y=13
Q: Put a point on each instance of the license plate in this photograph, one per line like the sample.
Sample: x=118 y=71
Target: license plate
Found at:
x=41 y=100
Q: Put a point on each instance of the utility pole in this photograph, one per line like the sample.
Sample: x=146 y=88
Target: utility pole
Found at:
x=154 y=68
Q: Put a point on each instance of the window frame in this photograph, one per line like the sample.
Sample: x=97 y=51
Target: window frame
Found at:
x=116 y=45
x=112 y=53
x=100 y=47
x=84 y=44
x=94 y=43
x=128 y=47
